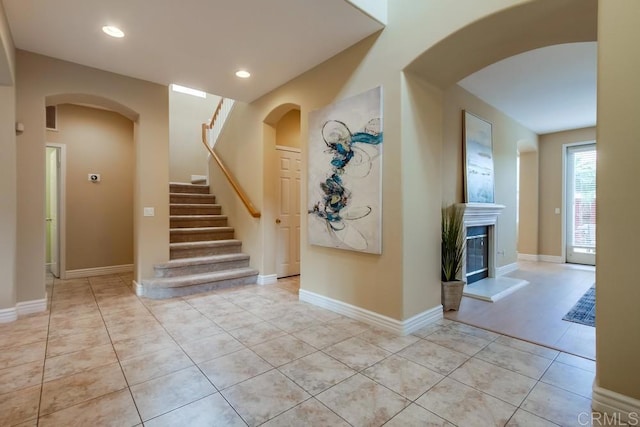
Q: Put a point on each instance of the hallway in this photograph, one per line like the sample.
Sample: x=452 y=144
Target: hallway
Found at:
x=534 y=313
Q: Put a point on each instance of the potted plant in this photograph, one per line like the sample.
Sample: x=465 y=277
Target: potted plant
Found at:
x=453 y=241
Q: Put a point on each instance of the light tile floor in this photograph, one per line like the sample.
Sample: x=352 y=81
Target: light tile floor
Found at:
x=255 y=355
x=534 y=312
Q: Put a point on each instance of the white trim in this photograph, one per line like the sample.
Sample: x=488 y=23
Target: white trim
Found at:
x=482 y=214
x=99 y=271
x=8 y=315
x=615 y=404
x=528 y=257
x=563 y=208
x=285 y=148
x=506 y=269
x=267 y=279
x=551 y=258
x=62 y=209
x=33 y=306
x=404 y=327
x=137 y=288
x=22 y=309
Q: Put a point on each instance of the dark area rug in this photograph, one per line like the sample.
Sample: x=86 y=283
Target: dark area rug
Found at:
x=584 y=312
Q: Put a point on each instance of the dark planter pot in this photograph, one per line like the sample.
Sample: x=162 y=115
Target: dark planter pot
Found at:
x=452 y=294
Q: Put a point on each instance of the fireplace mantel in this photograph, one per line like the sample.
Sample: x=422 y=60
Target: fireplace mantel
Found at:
x=491 y=288
x=476 y=214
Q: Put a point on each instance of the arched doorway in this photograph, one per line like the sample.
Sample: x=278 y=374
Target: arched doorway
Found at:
x=283 y=176
x=471 y=49
x=89 y=190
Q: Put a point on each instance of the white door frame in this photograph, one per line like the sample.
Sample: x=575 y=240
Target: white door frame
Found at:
x=563 y=213
x=62 y=219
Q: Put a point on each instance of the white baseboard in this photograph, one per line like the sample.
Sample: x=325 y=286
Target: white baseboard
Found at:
x=22 y=309
x=541 y=258
x=506 y=269
x=99 y=271
x=136 y=287
x=551 y=258
x=528 y=257
x=267 y=279
x=8 y=315
x=626 y=409
x=403 y=327
x=30 y=307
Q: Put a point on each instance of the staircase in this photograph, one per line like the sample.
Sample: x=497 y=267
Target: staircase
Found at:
x=203 y=253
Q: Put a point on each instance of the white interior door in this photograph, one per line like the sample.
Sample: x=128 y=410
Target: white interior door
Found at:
x=580 y=206
x=53 y=198
x=288 y=215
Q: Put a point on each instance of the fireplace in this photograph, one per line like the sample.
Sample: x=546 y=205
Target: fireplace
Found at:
x=479 y=261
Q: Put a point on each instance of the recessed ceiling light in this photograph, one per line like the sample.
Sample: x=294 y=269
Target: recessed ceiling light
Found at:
x=243 y=74
x=113 y=31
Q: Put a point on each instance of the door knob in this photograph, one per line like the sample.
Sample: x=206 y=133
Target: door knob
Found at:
x=278 y=221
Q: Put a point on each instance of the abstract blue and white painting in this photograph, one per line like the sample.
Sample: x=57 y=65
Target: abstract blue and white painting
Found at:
x=345 y=174
x=479 y=176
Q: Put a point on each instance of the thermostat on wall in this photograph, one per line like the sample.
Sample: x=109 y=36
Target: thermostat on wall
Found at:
x=94 y=177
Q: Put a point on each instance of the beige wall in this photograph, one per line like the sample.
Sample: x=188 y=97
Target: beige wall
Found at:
x=506 y=135
x=8 y=172
x=8 y=198
x=99 y=216
x=550 y=190
x=39 y=77
x=529 y=201
x=617 y=292
x=394 y=284
x=187 y=155
x=288 y=130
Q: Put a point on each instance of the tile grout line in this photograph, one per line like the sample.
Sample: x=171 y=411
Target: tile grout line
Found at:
x=114 y=350
x=46 y=345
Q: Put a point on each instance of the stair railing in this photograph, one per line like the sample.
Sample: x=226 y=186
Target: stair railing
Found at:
x=215 y=125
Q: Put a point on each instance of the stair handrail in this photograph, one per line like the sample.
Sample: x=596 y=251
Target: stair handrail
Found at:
x=215 y=113
x=239 y=191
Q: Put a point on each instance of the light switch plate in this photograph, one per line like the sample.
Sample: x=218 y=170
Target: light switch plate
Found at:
x=149 y=212
x=557 y=211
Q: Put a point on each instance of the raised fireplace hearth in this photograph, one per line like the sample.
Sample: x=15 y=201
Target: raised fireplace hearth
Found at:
x=479 y=261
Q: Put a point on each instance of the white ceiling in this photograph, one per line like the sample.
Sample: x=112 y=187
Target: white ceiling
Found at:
x=195 y=43
x=547 y=90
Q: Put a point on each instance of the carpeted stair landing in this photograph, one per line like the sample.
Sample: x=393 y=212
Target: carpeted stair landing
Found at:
x=203 y=252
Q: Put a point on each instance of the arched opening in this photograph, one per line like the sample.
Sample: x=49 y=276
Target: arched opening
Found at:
x=282 y=169
x=90 y=183
x=465 y=52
